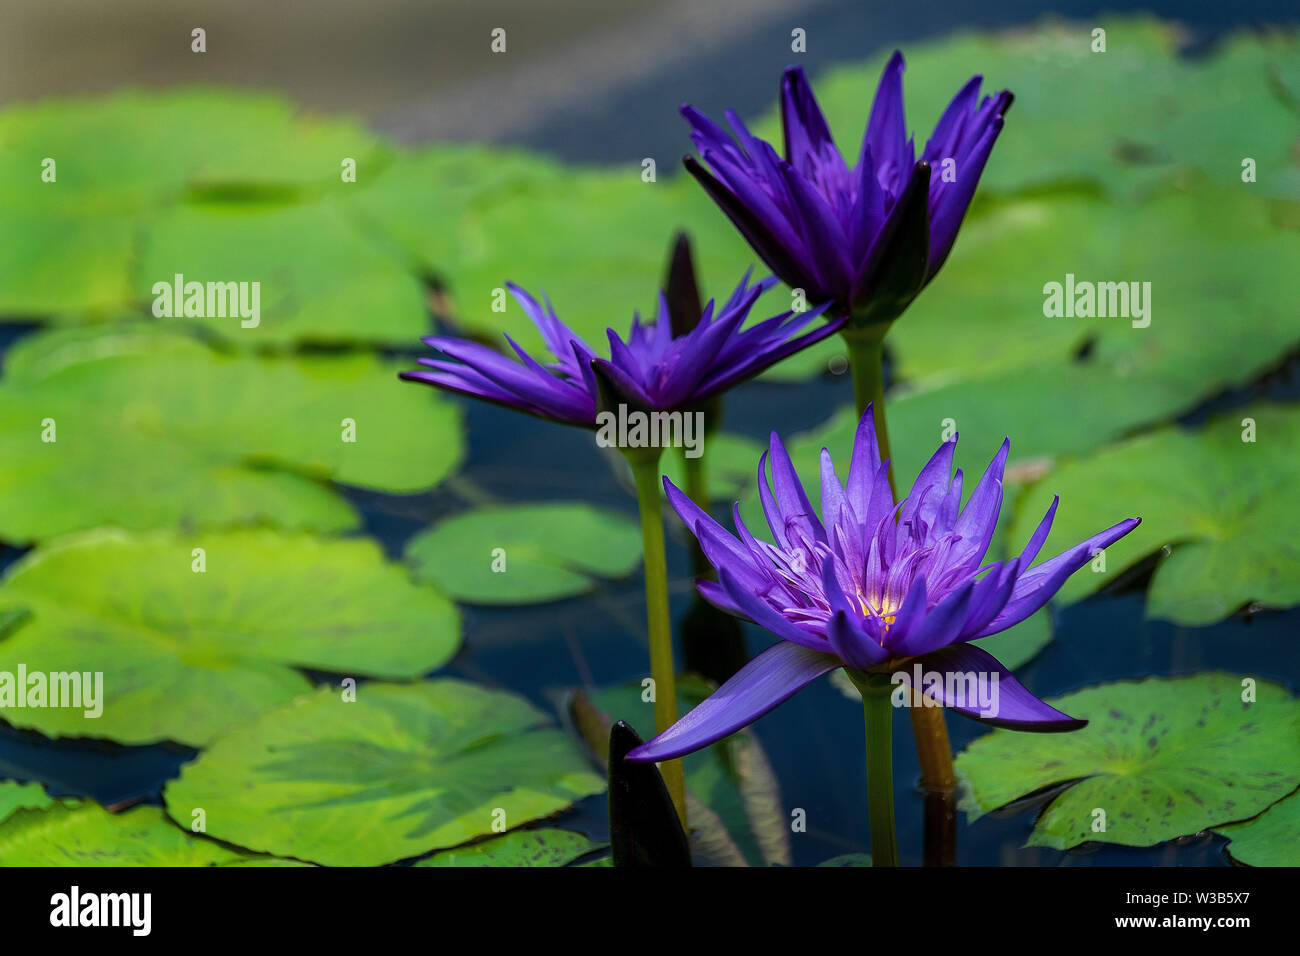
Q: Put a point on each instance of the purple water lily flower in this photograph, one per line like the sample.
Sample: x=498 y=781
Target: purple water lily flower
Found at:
x=870 y=236
x=873 y=586
x=662 y=365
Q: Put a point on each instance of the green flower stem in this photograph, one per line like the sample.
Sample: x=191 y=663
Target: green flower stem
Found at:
x=866 y=357
x=877 y=711
x=645 y=470
x=867 y=366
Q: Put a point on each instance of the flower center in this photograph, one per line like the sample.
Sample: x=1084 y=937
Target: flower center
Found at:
x=885 y=613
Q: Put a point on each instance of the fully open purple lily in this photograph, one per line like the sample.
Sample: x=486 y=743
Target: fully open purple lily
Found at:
x=874 y=587
x=869 y=236
x=662 y=366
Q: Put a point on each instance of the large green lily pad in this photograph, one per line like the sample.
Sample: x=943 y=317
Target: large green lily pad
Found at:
x=1177 y=114
x=72 y=243
x=527 y=553
x=1161 y=758
x=1223 y=506
x=545 y=846
x=322 y=279
x=618 y=230
x=187 y=655
x=426 y=202
x=1271 y=839
x=175 y=433
x=398 y=772
x=85 y=834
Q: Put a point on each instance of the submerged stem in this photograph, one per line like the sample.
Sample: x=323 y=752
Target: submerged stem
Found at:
x=645 y=470
x=877 y=712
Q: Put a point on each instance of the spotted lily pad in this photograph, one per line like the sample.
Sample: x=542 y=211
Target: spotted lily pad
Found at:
x=546 y=846
x=525 y=554
x=1159 y=759
x=85 y=834
x=175 y=433
x=400 y=771
x=1271 y=839
x=185 y=655
x=1222 y=504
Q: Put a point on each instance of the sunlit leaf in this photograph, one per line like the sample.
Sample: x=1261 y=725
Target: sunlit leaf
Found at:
x=398 y=772
x=525 y=553
x=187 y=651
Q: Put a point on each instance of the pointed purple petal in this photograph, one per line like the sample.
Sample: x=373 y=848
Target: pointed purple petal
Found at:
x=1012 y=707
x=766 y=681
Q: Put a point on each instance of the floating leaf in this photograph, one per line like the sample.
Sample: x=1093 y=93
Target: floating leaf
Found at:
x=186 y=655
x=428 y=201
x=321 y=279
x=1177 y=114
x=527 y=553
x=546 y=846
x=175 y=433
x=1028 y=406
x=1161 y=758
x=619 y=228
x=1222 y=504
x=72 y=242
x=400 y=771
x=15 y=796
x=1271 y=839
x=86 y=834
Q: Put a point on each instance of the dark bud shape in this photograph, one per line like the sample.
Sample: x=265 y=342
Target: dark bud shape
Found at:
x=643 y=826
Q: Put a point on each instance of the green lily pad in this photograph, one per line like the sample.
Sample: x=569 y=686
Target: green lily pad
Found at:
x=1160 y=758
x=1212 y=256
x=427 y=202
x=547 y=846
x=321 y=279
x=618 y=228
x=85 y=834
x=187 y=655
x=525 y=554
x=1222 y=505
x=400 y=771
x=1177 y=114
x=1271 y=839
x=35 y=278
x=111 y=179
x=175 y=433
x=1030 y=406
x=16 y=796
x=107 y=155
